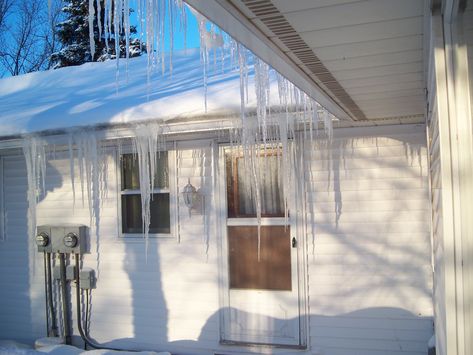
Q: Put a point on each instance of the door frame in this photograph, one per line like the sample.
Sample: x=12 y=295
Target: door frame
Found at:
x=296 y=222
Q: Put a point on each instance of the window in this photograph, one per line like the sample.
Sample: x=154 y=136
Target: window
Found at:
x=240 y=203
x=160 y=210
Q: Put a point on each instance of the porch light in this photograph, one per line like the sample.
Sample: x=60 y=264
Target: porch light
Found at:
x=189 y=194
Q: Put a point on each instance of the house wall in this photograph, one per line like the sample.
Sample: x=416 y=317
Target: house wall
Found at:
x=368 y=260
x=370 y=284
x=468 y=248
x=451 y=163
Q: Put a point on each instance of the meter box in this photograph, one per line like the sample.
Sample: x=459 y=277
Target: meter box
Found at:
x=87 y=278
x=43 y=239
x=70 y=239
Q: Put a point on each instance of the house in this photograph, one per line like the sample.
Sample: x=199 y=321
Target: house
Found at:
x=367 y=250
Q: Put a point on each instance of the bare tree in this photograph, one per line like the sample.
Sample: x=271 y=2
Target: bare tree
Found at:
x=31 y=38
x=5 y=11
x=5 y=7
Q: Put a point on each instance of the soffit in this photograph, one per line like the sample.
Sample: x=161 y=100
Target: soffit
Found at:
x=368 y=55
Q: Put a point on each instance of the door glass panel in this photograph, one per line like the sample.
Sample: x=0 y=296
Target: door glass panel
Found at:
x=240 y=190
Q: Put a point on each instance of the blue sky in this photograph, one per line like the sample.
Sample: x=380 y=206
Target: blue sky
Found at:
x=192 y=32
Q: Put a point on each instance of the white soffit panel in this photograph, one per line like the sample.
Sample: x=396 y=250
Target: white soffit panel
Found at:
x=368 y=54
x=234 y=22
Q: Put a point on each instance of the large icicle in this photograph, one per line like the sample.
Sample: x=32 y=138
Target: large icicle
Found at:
x=90 y=161
x=148 y=140
x=254 y=133
x=35 y=157
x=91 y=28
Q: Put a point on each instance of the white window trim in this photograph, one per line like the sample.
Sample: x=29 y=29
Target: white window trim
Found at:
x=2 y=203
x=173 y=197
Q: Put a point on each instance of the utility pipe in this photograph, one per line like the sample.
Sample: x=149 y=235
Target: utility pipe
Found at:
x=84 y=334
x=65 y=304
x=54 y=330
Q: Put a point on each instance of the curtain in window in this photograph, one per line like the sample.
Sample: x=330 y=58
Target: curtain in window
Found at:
x=271 y=192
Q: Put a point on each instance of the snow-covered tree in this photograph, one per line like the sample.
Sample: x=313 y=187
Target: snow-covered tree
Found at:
x=73 y=33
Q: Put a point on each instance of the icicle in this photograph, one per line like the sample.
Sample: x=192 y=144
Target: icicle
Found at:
x=116 y=28
x=107 y=21
x=146 y=144
x=71 y=169
x=126 y=23
x=161 y=34
x=241 y=65
x=328 y=124
x=89 y=158
x=171 y=33
x=204 y=55
x=99 y=18
x=35 y=158
x=91 y=29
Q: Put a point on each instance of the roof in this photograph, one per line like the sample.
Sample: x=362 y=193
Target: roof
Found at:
x=90 y=94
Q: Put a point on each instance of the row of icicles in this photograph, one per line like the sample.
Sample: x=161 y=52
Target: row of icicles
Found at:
x=274 y=125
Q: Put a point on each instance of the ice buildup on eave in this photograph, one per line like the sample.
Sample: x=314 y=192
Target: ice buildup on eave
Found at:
x=222 y=76
x=266 y=131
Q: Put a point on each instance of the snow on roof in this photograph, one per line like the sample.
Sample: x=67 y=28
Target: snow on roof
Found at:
x=90 y=94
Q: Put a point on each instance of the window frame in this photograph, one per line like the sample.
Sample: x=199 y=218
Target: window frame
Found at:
x=171 y=189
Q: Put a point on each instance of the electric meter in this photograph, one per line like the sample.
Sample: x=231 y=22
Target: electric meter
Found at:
x=70 y=240
x=42 y=239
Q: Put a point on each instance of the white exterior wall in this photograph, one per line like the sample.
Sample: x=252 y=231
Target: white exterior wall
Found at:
x=369 y=277
x=451 y=145
x=22 y=311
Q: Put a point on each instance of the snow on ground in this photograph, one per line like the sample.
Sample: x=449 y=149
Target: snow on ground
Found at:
x=9 y=347
x=90 y=94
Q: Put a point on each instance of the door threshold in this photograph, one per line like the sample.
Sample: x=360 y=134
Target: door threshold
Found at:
x=262 y=345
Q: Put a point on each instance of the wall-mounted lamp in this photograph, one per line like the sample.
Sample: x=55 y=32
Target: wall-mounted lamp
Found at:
x=189 y=194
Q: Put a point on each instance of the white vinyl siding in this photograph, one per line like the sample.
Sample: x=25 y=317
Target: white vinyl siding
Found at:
x=370 y=278
x=2 y=198
x=22 y=311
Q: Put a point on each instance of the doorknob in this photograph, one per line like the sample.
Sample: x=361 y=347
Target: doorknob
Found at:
x=294 y=242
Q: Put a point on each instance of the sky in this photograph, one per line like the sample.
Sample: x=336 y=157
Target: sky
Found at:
x=192 y=31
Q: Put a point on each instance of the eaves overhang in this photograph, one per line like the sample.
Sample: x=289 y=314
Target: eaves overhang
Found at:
x=225 y=15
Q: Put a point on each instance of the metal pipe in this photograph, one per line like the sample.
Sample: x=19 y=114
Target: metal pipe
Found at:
x=83 y=334
x=54 y=329
x=65 y=305
x=46 y=292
